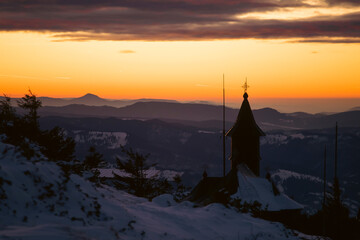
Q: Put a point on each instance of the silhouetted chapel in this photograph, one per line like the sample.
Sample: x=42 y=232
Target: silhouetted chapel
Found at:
x=245 y=139
x=243 y=181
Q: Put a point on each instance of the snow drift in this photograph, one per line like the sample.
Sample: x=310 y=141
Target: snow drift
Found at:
x=39 y=202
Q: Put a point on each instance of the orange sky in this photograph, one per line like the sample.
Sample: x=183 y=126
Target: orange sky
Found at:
x=177 y=70
x=309 y=50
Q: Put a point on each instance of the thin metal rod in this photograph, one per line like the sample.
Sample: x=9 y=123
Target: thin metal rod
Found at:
x=324 y=198
x=224 y=126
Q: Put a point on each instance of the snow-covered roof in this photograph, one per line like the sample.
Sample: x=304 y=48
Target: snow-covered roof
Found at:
x=252 y=188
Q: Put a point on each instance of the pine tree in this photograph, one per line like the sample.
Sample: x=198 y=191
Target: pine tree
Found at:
x=56 y=145
x=7 y=114
x=180 y=190
x=139 y=184
x=136 y=165
x=18 y=130
x=23 y=131
x=30 y=123
x=93 y=160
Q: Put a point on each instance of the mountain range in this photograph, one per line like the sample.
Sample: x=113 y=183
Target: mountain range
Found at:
x=196 y=114
x=91 y=100
x=205 y=116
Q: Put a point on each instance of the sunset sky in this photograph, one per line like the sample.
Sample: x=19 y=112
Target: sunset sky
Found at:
x=179 y=49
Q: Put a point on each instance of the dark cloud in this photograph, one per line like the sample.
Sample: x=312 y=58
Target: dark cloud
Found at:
x=80 y=20
x=344 y=41
x=344 y=2
x=200 y=6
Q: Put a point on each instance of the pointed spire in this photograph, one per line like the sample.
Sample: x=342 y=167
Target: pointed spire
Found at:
x=245 y=119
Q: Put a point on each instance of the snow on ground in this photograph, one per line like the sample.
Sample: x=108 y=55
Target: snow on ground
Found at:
x=184 y=137
x=152 y=172
x=280 y=139
x=278 y=126
x=282 y=175
x=34 y=190
x=112 y=139
x=297 y=136
x=206 y=132
x=308 y=190
x=39 y=203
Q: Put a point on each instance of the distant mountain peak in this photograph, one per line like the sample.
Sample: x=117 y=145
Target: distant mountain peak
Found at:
x=90 y=96
x=90 y=99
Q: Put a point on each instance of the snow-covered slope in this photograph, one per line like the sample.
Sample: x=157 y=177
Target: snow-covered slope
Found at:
x=111 y=139
x=36 y=190
x=39 y=202
x=308 y=190
x=149 y=173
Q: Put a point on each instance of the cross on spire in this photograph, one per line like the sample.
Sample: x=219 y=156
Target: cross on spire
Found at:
x=245 y=86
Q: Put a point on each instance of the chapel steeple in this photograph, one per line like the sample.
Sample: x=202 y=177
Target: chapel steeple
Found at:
x=245 y=134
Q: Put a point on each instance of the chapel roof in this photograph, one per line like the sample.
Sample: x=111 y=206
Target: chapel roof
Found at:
x=245 y=121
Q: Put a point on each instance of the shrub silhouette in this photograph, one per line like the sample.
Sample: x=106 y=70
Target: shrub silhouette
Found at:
x=24 y=130
x=138 y=183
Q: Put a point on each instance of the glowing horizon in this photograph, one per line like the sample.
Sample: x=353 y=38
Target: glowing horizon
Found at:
x=121 y=51
x=188 y=72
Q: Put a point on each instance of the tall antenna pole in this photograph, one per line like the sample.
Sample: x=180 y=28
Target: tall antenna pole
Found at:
x=224 y=126
x=336 y=184
x=324 y=198
x=336 y=148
